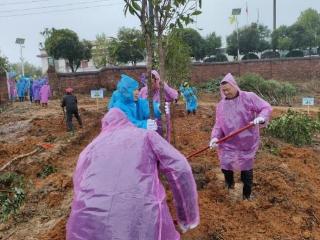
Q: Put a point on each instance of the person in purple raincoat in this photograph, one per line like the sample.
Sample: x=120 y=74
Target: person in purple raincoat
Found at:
x=45 y=93
x=12 y=86
x=117 y=191
x=36 y=91
x=170 y=96
x=235 y=110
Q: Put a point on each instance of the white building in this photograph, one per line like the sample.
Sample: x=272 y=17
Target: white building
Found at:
x=62 y=65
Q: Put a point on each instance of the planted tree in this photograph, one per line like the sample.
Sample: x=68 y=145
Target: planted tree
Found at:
x=178 y=62
x=157 y=16
x=64 y=43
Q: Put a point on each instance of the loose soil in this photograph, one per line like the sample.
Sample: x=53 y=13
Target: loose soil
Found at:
x=286 y=190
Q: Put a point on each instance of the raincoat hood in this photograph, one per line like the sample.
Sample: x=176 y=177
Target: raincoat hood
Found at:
x=126 y=86
x=229 y=79
x=157 y=76
x=115 y=118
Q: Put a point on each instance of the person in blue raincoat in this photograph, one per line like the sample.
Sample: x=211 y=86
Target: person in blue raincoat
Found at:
x=189 y=95
x=126 y=98
x=21 y=88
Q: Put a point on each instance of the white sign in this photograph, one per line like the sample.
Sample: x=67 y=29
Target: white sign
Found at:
x=308 y=101
x=96 y=93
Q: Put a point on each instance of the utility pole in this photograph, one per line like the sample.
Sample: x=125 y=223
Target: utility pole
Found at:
x=236 y=12
x=274 y=14
x=20 y=41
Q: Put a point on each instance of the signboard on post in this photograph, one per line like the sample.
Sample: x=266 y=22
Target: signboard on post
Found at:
x=97 y=94
x=308 y=101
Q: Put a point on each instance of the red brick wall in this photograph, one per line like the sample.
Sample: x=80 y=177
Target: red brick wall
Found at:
x=300 y=70
x=3 y=90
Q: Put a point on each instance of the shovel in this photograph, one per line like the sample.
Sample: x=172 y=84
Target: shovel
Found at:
x=223 y=139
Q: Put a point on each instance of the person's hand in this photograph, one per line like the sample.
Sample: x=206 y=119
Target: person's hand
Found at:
x=258 y=120
x=152 y=125
x=213 y=143
x=167 y=108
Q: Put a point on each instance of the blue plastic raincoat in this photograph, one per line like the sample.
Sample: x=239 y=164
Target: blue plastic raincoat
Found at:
x=117 y=191
x=22 y=86
x=189 y=95
x=124 y=100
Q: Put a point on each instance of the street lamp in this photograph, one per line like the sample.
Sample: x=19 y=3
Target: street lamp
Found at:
x=20 y=41
x=236 y=12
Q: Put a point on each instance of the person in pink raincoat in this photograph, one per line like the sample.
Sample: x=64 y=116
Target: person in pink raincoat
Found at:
x=45 y=93
x=235 y=110
x=117 y=191
x=170 y=96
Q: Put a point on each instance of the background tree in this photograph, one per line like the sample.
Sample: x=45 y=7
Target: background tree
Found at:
x=212 y=44
x=310 y=21
x=29 y=69
x=99 y=51
x=254 y=38
x=196 y=43
x=64 y=43
x=128 y=47
x=4 y=64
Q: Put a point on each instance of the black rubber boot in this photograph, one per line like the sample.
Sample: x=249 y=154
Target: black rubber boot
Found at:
x=247 y=179
x=228 y=178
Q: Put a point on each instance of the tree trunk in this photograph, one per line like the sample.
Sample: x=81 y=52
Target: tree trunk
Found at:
x=149 y=68
x=165 y=122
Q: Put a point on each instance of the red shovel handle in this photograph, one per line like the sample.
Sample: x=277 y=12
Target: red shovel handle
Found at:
x=223 y=139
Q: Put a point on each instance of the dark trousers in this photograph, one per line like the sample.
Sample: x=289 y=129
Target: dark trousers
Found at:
x=69 y=119
x=21 y=99
x=246 y=178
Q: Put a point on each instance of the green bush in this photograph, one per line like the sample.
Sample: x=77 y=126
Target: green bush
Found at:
x=11 y=194
x=211 y=86
x=46 y=171
x=294 y=127
x=277 y=93
x=270 y=54
x=295 y=53
x=250 y=56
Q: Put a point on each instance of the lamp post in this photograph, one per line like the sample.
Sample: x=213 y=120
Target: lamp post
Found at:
x=20 y=41
x=236 y=12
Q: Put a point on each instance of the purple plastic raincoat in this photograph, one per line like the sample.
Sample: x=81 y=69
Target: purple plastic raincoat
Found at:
x=117 y=191
x=238 y=153
x=45 y=93
x=36 y=90
x=170 y=95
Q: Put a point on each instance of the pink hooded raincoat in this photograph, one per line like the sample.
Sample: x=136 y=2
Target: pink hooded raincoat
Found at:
x=238 y=153
x=117 y=191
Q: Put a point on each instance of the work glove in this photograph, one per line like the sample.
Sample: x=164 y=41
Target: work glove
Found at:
x=152 y=125
x=167 y=108
x=185 y=228
x=258 y=120
x=213 y=143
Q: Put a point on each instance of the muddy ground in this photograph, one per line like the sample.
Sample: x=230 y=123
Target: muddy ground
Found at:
x=286 y=202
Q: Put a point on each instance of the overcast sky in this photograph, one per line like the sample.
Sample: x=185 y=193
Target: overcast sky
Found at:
x=27 y=18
